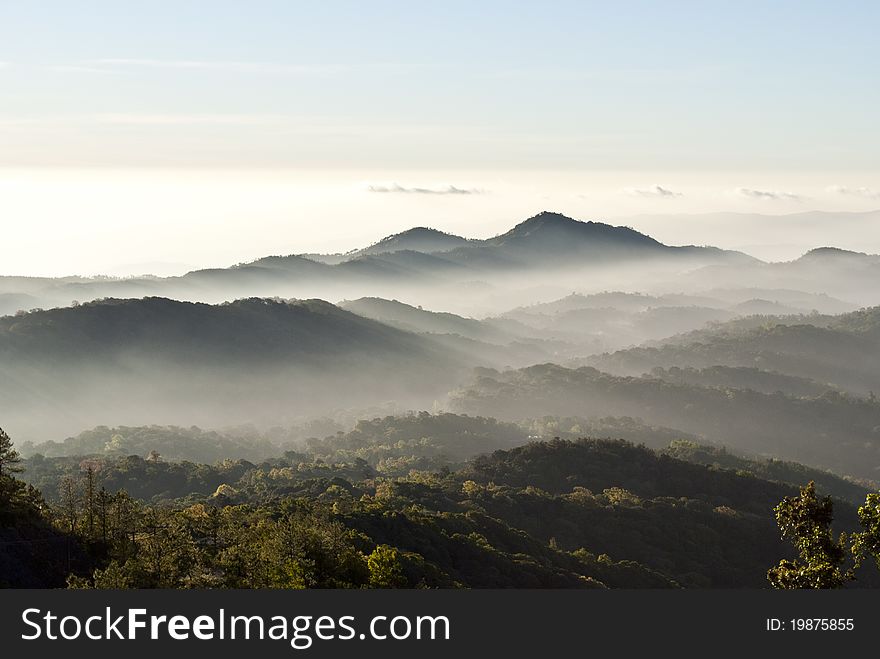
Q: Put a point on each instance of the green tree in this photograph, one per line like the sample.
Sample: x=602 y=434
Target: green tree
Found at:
x=9 y=458
x=385 y=568
x=868 y=541
x=805 y=521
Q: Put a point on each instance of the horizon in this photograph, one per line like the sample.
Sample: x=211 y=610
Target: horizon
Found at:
x=130 y=142
x=172 y=270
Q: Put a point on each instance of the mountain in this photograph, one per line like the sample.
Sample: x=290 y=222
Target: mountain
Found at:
x=844 y=274
x=841 y=350
x=743 y=377
x=831 y=431
x=825 y=253
x=564 y=249
x=418 y=239
x=554 y=231
x=156 y=360
x=416 y=319
x=490 y=342
x=777 y=237
x=559 y=241
x=758 y=306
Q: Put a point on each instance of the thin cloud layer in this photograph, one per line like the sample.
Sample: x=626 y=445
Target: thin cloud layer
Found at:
x=867 y=193
x=76 y=68
x=773 y=195
x=447 y=189
x=109 y=65
x=654 y=191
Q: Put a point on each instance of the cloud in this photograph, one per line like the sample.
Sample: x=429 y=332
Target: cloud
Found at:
x=210 y=65
x=773 y=195
x=76 y=68
x=867 y=193
x=653 y=191
x=446 y=189
x=136 y=119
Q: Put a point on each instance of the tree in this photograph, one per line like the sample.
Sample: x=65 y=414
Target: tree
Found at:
x=805 y=520
x=91 y=469
x=385 y=569
x=68 y=491
x=868 y=541
x=9 y=458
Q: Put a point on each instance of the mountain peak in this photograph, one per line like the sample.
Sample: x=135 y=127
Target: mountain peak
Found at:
x=559 y=231
x=832 y=252
x=549 y=218
x=418 y=239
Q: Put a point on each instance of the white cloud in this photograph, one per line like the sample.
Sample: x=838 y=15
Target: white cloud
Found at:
x=868 y=193
x=210 y=65
x=446 y=189
x=653 y=191
x=773 y=195
x=135 y=119
x=75 y=68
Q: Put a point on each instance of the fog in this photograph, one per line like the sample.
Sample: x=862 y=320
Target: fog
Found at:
x=286 y=340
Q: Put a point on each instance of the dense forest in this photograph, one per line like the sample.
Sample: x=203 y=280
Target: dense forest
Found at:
x=559 y=513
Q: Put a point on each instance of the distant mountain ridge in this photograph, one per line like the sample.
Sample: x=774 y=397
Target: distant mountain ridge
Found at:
x=835 y=252
x=561 y=249
x=559 y=229
x=547 y=241
x=418 y=239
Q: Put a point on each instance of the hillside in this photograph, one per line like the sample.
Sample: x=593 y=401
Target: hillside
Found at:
x=843 y=351
x=160 y=361
x=418 y=239
x=33 y=553
x=563 y=514
x=414 y=319
x=831 y=431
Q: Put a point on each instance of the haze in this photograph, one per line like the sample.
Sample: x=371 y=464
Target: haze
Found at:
x=269 y=186
x=132 y=143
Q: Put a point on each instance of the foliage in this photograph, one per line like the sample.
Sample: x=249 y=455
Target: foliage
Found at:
x=385 y=568
x=867 y=542
x=9 y=457
x=805 y=520
x=580 y=513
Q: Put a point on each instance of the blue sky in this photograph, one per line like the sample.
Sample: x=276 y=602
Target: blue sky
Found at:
x=769 y=97
x=727 y=85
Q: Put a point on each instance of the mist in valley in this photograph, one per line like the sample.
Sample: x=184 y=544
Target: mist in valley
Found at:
x=687 y=338
x=484 y=409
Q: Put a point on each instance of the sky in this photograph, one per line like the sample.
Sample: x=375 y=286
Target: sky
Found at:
x=161 y=136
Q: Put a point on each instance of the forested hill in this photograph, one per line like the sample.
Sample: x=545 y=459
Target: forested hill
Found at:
x=391 y=446
x=840 y=350
x=262 y=330
x=832 y=431
x=156 y=360
x=584 y=513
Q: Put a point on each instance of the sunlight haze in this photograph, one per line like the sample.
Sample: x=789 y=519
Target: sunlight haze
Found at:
x=232 y=131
